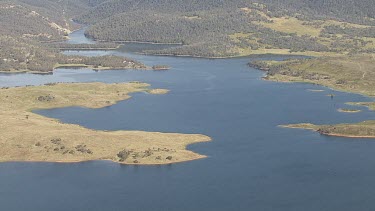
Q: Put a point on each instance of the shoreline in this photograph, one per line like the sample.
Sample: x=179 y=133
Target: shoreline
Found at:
x=311 y=128
x=74 y=66
x=140 y=42
x=348 y=136
x=220 y=57
x=109 y=160
x=25 y=71
x=150 y=68
x=84 y=66
x=88 y=49
x=266 y=78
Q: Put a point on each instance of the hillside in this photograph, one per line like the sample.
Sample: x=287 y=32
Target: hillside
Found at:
x=25 y=27
x=235 y=28
x=206 y=28
x=38 y=19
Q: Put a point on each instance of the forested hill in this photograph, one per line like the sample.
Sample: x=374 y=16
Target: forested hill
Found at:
x=209 y=28
x=27 y=25
x=43 y=20
x=355 y=11
x=237 y=27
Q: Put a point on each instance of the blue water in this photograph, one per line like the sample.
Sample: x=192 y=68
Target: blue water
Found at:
x=252 y=164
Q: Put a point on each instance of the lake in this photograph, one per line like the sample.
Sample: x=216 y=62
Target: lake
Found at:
x=252 y=163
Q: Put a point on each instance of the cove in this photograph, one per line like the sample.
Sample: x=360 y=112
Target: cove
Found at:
x=252 y=163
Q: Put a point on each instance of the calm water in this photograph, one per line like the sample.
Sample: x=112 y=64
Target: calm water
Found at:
x=252 y=164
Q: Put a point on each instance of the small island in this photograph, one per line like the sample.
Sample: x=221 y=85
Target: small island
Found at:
x=160 y=67
x=100 y=63
x=364 y=129
x=315 y=90
x=158 y=91
x=346 y=110
x=26 y=136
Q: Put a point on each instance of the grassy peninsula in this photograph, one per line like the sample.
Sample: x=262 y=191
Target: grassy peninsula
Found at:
x=26 y=136
x=351 y=73
x=354 y=74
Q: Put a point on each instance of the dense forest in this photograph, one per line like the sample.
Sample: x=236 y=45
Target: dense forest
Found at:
x=345 y=10
x=207 y=27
